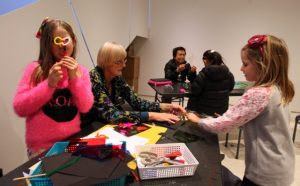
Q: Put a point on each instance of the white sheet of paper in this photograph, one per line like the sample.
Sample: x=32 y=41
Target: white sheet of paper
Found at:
x=33 y=167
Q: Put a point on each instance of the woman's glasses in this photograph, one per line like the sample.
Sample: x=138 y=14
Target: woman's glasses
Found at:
x=121 y=62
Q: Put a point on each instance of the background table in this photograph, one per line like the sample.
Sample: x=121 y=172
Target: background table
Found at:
x=174 y=90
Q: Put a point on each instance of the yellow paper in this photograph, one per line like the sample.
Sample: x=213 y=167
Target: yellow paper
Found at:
x=132 y=164
x=153 y=134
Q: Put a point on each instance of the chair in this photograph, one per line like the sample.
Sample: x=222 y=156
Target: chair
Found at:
x=297 y=121
x=163 y=99
x=180 y=100
x=239 y=142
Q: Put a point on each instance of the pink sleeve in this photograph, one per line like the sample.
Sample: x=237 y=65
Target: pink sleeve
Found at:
x=251 y=104
x=30 y=99
x=82 y=91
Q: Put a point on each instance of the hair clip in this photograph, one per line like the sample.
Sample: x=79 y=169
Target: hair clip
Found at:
x=39 y=32
x=257 y=41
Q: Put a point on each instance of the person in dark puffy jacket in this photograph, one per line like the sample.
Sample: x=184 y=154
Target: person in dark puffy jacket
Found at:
x=210 y=89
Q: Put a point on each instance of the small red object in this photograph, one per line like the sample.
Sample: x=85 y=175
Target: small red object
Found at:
x=141 y=128
x=96 y=141
x=173 y=155
x=180 y=161
x=160 y=81
x=136 y=177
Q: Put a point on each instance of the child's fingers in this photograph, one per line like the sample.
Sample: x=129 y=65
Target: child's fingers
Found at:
x=69 y=60
x=70 y=63
x=55 y=69
x=72 y=67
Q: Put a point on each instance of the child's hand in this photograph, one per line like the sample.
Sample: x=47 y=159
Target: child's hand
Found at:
x=193 y=117
x=72 y=66
x=55 y=74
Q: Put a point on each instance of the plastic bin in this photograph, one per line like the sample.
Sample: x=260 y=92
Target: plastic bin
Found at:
x=187 y=169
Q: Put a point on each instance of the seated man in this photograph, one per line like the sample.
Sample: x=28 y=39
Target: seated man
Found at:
x=178 y=70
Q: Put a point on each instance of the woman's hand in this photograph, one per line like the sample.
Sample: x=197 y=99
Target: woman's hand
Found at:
x=193 y=117
x=172 y=108
x=158 y=116
x=72 y=66
x=55 y=74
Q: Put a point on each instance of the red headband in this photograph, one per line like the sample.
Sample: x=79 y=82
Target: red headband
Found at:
x=39 y=32
x=258 y=41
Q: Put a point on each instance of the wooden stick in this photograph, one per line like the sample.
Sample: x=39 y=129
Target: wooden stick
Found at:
x=50 y=173
x=27 y=177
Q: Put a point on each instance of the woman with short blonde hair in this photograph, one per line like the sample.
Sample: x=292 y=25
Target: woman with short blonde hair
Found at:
x=109 y=53
x=110 y=90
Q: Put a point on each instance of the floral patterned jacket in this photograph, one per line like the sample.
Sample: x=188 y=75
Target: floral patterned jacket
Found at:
x=107 y=108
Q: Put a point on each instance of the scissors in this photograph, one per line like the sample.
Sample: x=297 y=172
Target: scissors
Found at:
x=150 y=159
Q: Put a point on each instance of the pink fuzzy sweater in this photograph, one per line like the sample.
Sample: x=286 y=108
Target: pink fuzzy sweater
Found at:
x=52 y=114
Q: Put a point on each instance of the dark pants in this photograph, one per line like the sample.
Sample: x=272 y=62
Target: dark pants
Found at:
x=166 y=99
x=229 y=179
x=247 y=182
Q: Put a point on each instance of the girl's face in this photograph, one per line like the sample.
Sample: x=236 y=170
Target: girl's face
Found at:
x=249 y=68
x=62 y=44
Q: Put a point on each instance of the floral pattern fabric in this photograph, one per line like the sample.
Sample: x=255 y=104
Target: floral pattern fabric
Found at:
x=251 y=104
